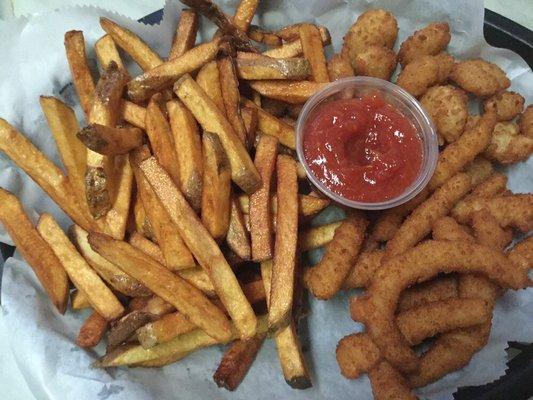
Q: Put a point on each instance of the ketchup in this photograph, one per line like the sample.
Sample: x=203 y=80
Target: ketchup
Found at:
x=362 y=149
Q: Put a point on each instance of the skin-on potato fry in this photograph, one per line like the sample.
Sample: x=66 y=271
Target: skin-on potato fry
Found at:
x=102 y=300
x=283 y=271
x=294 y=47
x=459 y=153
x=325 y=279
x=262 y=68
x=203 y=247
x=123 y=329
x=507 y=145
x=435 y=290
x=480 y=77
x=526 y=122
x=447 y=228
x=178 y=292
x=236 y=362
x=142 y=223
x=245 y=13
x=216 y=192
x=79 y=68
x=243 y=171
x=35 y=250
x=296 y=92
x=133 y=114
x=314 y=52
x=164 y=329
x=257 y=34
x=92 y=331
x=110 y=141
x=307 y=205
x=237 y=237
x=376 y=61
x=185 y=35
x=339 y=67
x=260 y=210
x=208 y=78
x=106 y=51
x=291 y=33
x=250 y=119
x=144 y=86
x=316 y=237
x=188 y=147
x=507 y=105
x=78 y=300
x=488 y=231
x=364 y=269
x=428 y=41
x=132 y=44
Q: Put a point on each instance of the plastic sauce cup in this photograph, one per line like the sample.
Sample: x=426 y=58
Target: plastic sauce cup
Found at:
x=406 y=104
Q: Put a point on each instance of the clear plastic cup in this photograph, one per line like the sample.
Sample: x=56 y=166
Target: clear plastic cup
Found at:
x=356 y=87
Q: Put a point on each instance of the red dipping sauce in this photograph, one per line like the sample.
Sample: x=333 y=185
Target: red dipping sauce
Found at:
x=362 y=149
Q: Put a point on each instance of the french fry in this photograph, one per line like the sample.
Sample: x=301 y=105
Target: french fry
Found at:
x=175 y=290
x=164 y=329
x=290 y=92
x=270 y=125
x=110 y=141
x=185 y=35
x=243 y=171
x=133 y=114
x=216 y=187
x=109 y=272
x=92 y=331
x=157 y=306
x=294 y=48
x=208 y=78
x=35 y=250
x=160 y=136
x=245 y=13
x=236 y=362
x=230 y=94
x=132 y=44
x=249 y=117
x=307 y=205
x=144 y=86
x=102 y=300
x=116 y=219
x=64 y=126
x=316 y=237
x=124 y=329
x=260 y=209
x=260 y=68
x=314 y=52
x=44 y=172
x=291 y=33
x=106 y=51
x=79 y=68
x=260 y=35
x=237 y=236
x=203 y=247
x=282 y=292
x=142 y=223
x=78 y=300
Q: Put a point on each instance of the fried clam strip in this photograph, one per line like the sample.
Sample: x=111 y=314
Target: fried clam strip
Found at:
x=243 y=171
x=419 y=223
x=86 y=280
x=203 y=247
x=44 y=172
x=364 y=269
x=261 y=67
x=388 y=383
x=35 y=250
x=447 y=228
x=459 y=153
x=92 y=331
x=110 y=141
x=185 y=35
x=318 y=236
x=325 y=279
x=292 y=92
x=488 y=232
x=164 y=75
x=376 y=309
x=186 y=298
x=307 y=205
x=294 y=48
x=438 y=289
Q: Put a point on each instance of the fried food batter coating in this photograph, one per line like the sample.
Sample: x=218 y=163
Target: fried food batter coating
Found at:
x=375 y=61
x=339 y=67
x=362 y=272
x=418 y=76
x=356 y=355
x=387 y=383
x=526 y=122
x=438 y=289
x=480 y=77
x=448 y=107
x=427 y=41
x=507 y=145
x=447 y=228
x=507 y=105
x=488 y=231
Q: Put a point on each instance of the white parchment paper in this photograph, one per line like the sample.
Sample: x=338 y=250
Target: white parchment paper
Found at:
x=43 y=343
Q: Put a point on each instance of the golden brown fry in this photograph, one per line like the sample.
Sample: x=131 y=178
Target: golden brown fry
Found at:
x=164 y=329
x=236 y=362
x=357 y=354
x=178 y=292
x=142 y=223
x=132 y=44
x=243 y=171
x=124 y=329
x=92 y=330
x=133 y=114
x=447 y=228
x=35 y=250
x=316 y=237
x=307 y=205
x=188 y=145
x=106 y=51
x=208 y=78
x=250 y=119
x=185 y=35
x=526 y=122
x=257 y=34
x=79 y=69
x=203 y=247
x=291 y=33
x=480 y=77
x=260 y=209
x=375 y=61
x=459 y=153
x=388 y=383
x=102 y=300
x=325 y=279
x=428 y=41
x=216 y=187
x=148 y=247
x=488 y=231
x=364 y=269
x=438 y=289
x=291 y=92
x=314 y=52
x=339 y=67
x=283 y=271
x=78 y=300
x=237 y=237
x=144 y=86
x=261 y=68
x=507 y=145
x=245 y=13
x=110 y=141
x=507 y=105
x=294 y=47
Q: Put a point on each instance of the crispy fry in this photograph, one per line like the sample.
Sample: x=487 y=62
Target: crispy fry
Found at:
x=116 y=219
x=428 y=41
x=364 y=269
x=243 y=172
x=142 y=223
x=102 y=300
x=283 y=271
x=438 y=289
x=203 y=247
x=480 y=77
x=316 y=237
x=110 y=141
x=79 y=68
x=260 y=35
x=185 y=35
x=106 y=52
x=35 y=250
x=314 y=52
x=245 y=13
x=290 y=92
x=163 y=76
x=307 y=205
x=208 y=78
x=164 y=329
x=447 y=228
x=250 y=119
x=237 y=237
x=260 y=208
x=133 y=114
x=178 y=292
x=78 y=300
x=291 y=33
x=132 y=44
x=92 y=330
x=123 y=329
x=261 y=68
x=294 y=47
x=325 y=279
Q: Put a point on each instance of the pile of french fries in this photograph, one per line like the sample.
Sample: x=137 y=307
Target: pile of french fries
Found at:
x=189 y=208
